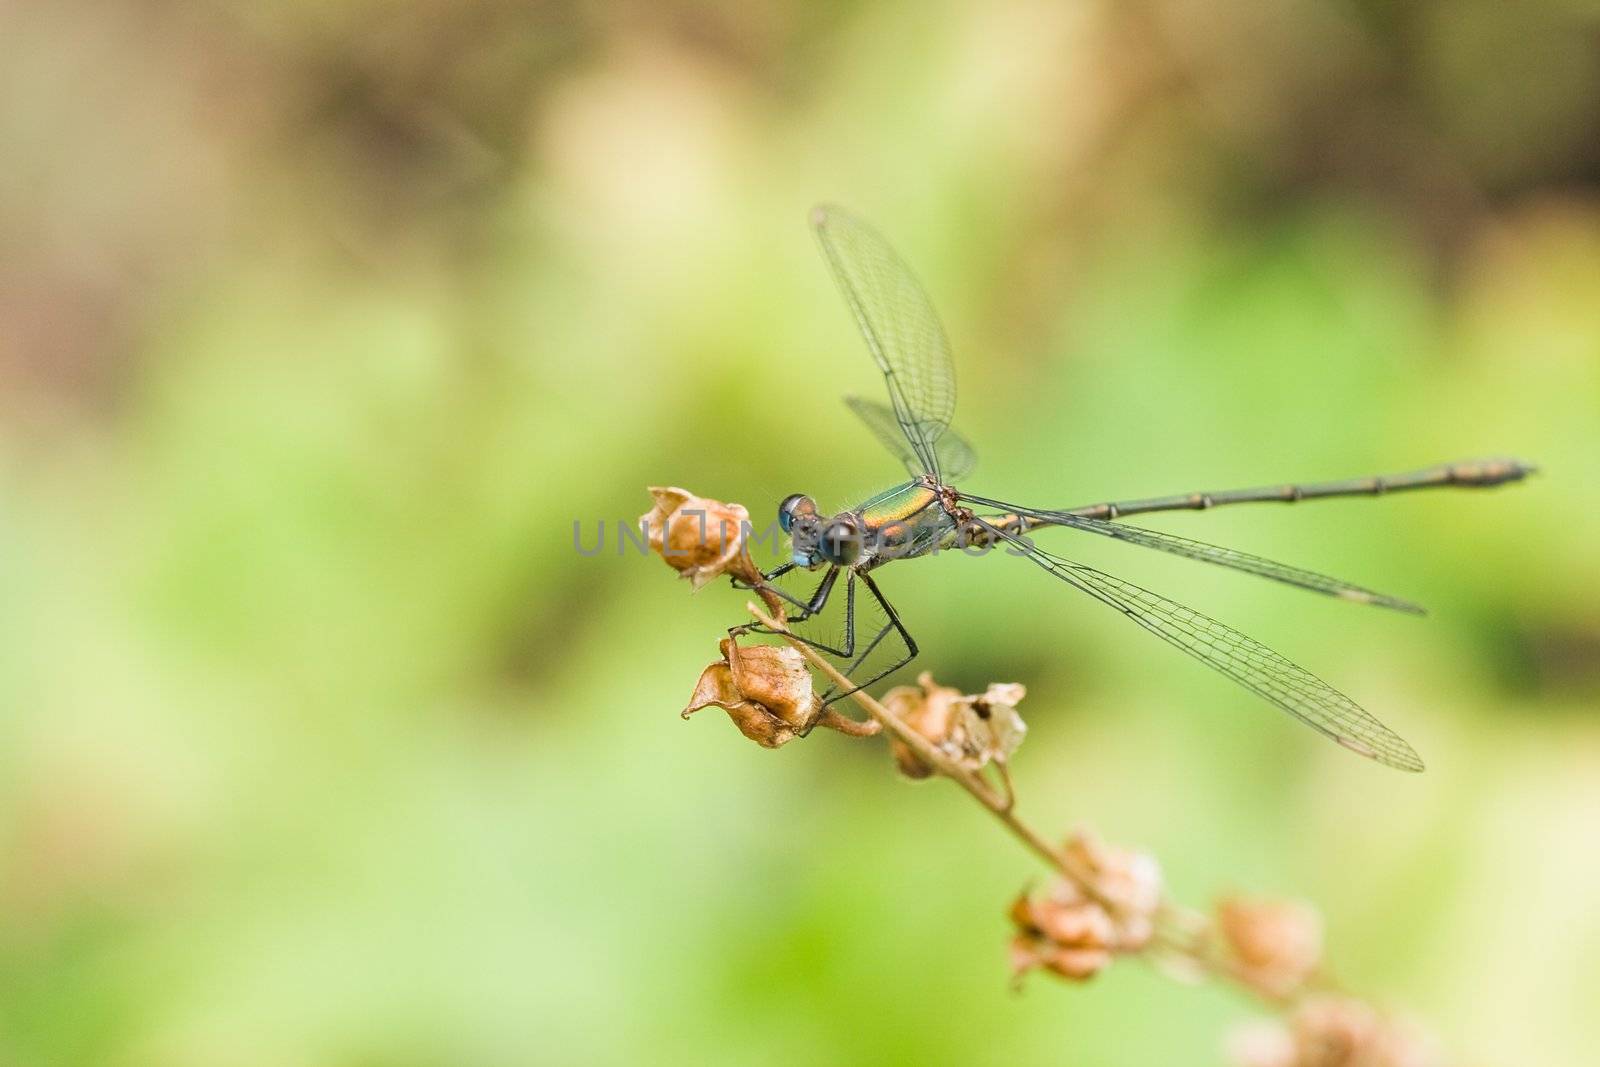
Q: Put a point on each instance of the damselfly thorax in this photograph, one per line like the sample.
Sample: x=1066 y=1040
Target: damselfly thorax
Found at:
x=901 y=522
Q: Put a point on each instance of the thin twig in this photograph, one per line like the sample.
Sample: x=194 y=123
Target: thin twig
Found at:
x=1004 y=774
x=1178 y=929
x=1003 y=808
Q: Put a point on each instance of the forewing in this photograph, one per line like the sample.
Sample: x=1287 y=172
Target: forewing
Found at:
x=900 y=327
x=1245 y=660
x=956 y=457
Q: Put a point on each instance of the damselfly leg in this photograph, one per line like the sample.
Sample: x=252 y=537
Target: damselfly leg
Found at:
x=873 y=644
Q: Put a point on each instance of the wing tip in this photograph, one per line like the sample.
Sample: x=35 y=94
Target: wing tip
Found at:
x=1382 y=600
x=1406 y=606
x=1410 y=762
x=1402 y=757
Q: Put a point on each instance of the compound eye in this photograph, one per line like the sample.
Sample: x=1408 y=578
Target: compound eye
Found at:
x=841 y=542
x=794 y=505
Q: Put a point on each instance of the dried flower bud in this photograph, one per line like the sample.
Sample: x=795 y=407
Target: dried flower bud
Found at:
x=1277 y=944
x=699 y=537
x=970 y=729
x=767 y=692
x=1075 y=935
x=1130 y=880
x=1333 y=1032
x=1072 y=939
x=765 y=689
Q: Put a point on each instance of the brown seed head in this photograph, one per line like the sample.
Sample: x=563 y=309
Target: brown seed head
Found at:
x=1074 y=935
x=698 y=537
x=1130 y=880
x=971 y=729
x=767 y=692
x=1277 y=944
x=765 y=689
x=1071 y=939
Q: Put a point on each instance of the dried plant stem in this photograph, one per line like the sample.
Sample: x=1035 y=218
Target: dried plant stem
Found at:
x=1103 y=902
x=1180 y=930
x=1002 y=806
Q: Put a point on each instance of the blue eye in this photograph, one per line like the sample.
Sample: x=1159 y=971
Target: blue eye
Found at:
x=794 y=504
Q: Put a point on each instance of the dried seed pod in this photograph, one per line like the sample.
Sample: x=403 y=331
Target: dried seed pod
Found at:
x=699 y=537
x=929 y=710
x=972 y=730
x=1130 y=880
x=1276 y=944
x=765 y=689
x=1073 y=939
x=1074 y=935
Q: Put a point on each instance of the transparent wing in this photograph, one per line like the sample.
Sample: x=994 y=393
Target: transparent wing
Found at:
x=900 y=327
x=1245 y=660
x=956 y=457
x=1222 y=557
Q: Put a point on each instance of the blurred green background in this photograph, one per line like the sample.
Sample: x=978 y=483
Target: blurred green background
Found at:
x=320 y=325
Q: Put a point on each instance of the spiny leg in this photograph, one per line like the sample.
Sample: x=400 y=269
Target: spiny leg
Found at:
x=894 y=624
x=776 y=572
x=817 y=602
x=813 y=606
x=855 y=664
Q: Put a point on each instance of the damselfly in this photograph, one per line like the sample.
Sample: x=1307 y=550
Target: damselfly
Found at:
x=928 y=514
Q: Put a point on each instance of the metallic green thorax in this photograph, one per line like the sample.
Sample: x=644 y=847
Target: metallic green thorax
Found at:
x=901 y=522
x=892 y=505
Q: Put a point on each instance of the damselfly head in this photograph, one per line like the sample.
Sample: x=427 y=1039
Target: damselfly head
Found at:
x=798 y=517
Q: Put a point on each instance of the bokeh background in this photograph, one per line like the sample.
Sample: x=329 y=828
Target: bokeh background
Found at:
x=321 y=325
